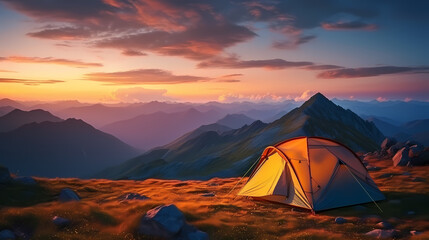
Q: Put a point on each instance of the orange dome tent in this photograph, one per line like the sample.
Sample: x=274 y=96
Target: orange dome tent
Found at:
x=311 y=172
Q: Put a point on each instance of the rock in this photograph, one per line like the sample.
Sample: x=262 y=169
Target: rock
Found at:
x=393 y=149
x=189 y=232
x=340 y=220
x=418 y=179
x=386 y=175
x=25 y=180
x=410 y=143
x=60 y=222
x=406 y=173
x=7 y=234
x=421 y=159
x=67 y=195
x=379 y=233
x=210 y=194
x=401 y=157
x=384 y=225
x=415 y=151
x=133 y=196
x=164 y=221
x=5 y=175
x=213 y=184
x=414 y=233
x=387 y=143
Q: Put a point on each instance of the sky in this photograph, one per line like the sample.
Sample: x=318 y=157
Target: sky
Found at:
x=197 y=51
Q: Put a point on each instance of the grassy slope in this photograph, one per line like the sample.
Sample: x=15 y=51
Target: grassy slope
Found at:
x=101 y=216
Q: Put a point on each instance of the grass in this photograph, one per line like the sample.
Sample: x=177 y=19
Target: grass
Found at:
x=101 y=215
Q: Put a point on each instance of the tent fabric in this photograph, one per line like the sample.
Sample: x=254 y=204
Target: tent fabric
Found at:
x=311 y=172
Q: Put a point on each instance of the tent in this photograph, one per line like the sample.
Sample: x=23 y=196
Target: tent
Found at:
x=311 y=172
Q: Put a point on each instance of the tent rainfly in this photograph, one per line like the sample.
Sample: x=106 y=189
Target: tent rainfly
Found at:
x=311 y=172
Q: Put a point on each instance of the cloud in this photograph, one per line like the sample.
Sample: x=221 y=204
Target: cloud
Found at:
x=381 y=99
x=353 y=25
x=50 y=60
x=3 y=70
x=230 y=78
x=142 y=76
x=63 y=33
x=139 y=94
x=28 y=81
x=269 y=97
x=305 y=96
x=235 y=62
x=322 y=67
x=370 y=71
x=197 y=43
x=192 y=29
x=132 y=53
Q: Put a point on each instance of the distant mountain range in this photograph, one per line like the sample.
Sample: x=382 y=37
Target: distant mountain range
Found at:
x=235 y=120
x=205 y=154
x=151 y=130
x=70 y=148
x=17 y=118
x=416 y=130
x=5 y=110
x=398 y=111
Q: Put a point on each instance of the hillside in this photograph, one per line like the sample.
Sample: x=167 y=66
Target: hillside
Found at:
x=231 y=153
x=151 y=130
x=70 y=148
x=17 y=118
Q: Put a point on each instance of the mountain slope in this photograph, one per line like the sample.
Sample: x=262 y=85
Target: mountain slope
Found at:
x=235 y=120
x=231 y=153
x=17 y=118
x=151 y=130
x=70 y=148
x=5 y=110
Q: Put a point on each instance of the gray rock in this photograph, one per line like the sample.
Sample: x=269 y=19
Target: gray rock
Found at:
x=421 y=159
x=340 y=220
x=209 y=194
x=25 y=180
x=133 y=196
x=395 y=148
x=415 y=150
x=67 y=195
x=164 y=221
x=7 y=234
x=401 y=157
x=414 y=233
x=387 y=143
x=189 y=232
x=5 y=175
x=379 y=233
x=60 y=222
x=384 y=225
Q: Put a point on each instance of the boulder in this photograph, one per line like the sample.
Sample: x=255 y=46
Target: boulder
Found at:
x=25 y=180
x=132 y=196
x=418 y=179
x=164 y=221
x=415 y=150
x=401 y=157
x=395 y=148
x=384 y=225
x=372 y=168
x=415 y=233
x=410 y=143
x=7 y=234
x=67 y=195
x=340 y=220
x=168 y=222
x=60 y=222
x=387 y=143
x=379 y=233
x=4 y=175
x=421 y=159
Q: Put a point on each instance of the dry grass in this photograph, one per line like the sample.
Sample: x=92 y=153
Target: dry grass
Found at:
x=100 y=215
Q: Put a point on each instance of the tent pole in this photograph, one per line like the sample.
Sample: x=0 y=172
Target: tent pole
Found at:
x=363 y=187
x=232 y=189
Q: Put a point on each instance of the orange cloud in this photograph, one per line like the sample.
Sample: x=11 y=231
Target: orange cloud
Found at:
x=235 y=62
x=50 y=60
x=370 y=71
x=353 y=25
x=28 y=81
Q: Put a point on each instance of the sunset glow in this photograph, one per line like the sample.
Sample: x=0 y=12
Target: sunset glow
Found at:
x=116 y=51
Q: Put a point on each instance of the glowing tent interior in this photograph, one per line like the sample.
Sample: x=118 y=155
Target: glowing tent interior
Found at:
x=313 y=173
